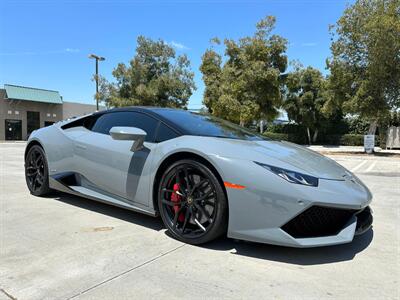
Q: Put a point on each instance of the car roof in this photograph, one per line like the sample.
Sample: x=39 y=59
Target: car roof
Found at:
x=151 y=109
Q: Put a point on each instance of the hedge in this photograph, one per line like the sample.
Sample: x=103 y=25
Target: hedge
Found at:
x=294 y=138
x=277 y=136
x=352 y=140
x=345 y=139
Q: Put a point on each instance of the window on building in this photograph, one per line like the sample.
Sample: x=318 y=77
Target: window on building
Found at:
x=13 y=130
x=33 y=121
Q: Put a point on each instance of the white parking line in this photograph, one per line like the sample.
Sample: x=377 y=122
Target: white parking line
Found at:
x=358 y=166
x=371 y=167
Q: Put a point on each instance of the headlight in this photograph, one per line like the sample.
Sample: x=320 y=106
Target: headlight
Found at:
x=291 y=176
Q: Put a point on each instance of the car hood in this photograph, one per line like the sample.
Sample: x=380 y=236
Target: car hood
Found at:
x=285 y=155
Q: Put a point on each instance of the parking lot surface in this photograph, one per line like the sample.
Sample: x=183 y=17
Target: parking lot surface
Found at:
x=66 y=247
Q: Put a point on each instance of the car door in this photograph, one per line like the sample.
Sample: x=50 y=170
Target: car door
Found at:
x=109 y=166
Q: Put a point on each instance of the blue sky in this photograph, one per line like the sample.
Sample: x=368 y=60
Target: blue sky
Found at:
x=46 y=43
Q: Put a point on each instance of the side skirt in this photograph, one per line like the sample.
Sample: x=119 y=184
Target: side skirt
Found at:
x=93 y=195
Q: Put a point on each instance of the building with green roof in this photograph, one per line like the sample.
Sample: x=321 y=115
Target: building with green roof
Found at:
x=24 y=109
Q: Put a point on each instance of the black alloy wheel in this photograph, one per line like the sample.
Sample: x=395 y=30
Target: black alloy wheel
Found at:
x=36 y=171
x=192 y=202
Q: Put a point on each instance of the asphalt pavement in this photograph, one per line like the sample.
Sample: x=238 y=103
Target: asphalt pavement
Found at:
x=66 y=247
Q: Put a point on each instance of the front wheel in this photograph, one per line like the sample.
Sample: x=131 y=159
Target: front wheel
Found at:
x=36 y=171
x=192 y=202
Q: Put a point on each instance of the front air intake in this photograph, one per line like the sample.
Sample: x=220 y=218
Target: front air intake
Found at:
x=318 y=221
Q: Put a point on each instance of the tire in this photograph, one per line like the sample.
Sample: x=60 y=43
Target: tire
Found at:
x=192 y=202
x=37 y=172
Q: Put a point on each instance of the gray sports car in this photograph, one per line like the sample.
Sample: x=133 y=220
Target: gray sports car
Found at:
x=204 y=176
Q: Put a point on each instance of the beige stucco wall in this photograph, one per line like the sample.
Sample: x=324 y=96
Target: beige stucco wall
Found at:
x=17 y=110
x=73 y=109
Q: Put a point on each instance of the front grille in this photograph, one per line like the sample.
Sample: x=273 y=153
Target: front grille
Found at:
x=318 y=221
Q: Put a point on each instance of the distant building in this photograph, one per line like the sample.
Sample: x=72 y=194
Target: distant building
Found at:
x=73 y=109
x=24 y=109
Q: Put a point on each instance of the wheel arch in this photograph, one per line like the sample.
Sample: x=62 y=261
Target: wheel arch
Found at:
x=30 y=145
x=179 y=156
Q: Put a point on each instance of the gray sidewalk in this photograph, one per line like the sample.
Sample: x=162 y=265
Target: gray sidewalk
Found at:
x=350 y=149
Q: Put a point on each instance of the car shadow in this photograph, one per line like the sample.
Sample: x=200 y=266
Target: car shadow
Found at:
x=109 y=210
x=296 y=256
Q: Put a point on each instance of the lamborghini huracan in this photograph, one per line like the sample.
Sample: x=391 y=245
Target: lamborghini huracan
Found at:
x=204 y=176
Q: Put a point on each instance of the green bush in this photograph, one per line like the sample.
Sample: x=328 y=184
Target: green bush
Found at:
x=357 y=125
x=348 y=131
x=358 y=140
x=286 y=128
x=277 y=136
x=333 y=139
x=294 y=138
x=352 y=140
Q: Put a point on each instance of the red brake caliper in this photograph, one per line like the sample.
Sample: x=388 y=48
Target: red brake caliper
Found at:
x=176 y=198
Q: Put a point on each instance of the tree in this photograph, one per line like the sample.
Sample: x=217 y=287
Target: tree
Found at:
x=156 y=76
x=305 y=99
x=248 y=84
x=365 y=63
x=211 y=69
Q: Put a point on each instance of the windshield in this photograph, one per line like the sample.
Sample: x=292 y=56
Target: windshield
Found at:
x=205 y=125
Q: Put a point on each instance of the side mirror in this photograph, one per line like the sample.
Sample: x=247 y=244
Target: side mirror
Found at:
x=129 y=134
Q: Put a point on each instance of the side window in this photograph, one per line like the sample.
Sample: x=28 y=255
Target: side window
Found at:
x=102 y=123
x=89 y=122
x=86 y=122
x=129 y=119
x=165 y=133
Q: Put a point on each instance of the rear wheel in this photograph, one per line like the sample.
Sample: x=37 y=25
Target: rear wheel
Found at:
x=36 y=171
x=192 y=202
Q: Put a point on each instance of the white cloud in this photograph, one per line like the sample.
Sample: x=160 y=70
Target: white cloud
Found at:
x=71 y=50
x=309 y=44
x=178 y=46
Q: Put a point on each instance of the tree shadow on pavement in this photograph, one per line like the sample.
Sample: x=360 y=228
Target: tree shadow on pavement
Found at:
x=109 y=210
x=297 y=256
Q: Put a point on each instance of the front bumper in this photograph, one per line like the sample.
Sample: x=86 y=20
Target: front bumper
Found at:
x=259 y=212
x=322 y=226
x=364 y=221
x=319 y=221
x=358 y=223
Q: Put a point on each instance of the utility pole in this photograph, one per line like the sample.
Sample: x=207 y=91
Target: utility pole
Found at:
x=97 y=58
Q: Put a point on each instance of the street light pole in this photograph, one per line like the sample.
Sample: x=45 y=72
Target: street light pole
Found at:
x=97 y=58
